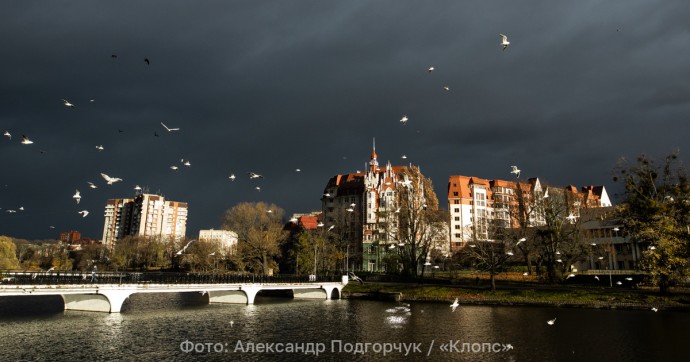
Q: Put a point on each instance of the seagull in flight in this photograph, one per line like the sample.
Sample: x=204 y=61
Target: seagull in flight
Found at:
x=253 y=175
x=173 y=167
x=331 y=227
x=232 y=177
x=147 y=61
x=404 y=120
x=7 y=134
x=83 y=213
x=137 y=188
x=655 y=309
x=504 y=41
x=430 y=69
x=91 y=185
x=454 y=305
x=293 y=220
x=570 y=276
x=186 y=163
x=258 y=189
x=551 y=321
x=571 y=218
x=354 y=278
x=447 y=88
x=77 y=197
x=109 y=179
x=515 y=170
x=26 y=140
x=99 y=148
x=67 y=103
x=596 y=277
x=169 y=129
x=403 y=157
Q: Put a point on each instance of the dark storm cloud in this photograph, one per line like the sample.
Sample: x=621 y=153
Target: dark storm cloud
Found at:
x=272 y=86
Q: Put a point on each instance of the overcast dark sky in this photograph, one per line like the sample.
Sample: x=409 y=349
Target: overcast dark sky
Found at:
x=271 y=86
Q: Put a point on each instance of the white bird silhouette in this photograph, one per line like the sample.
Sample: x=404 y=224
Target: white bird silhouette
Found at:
x=109 y=179
x=509 y=253
x=331 y=227
x=629 y=279
x=551 y=321
x=430 y=69
x=26 y=140
x=173 y=167
x=258 y=189
x=570 y=276
x=619 y=283
x=77 y=197
x=67 y=103
x=655 y=309
x=403 y=157
x=320 y=224
x=83 y=213
x=454 y=305
x=232 y=177
x=293 y=220
x=21 y=208
x=253 y=175
x=187 y=163
x=91 y=185
x=447 y=88
x=521 y=240
x=404 y=120
x=7 y=134
x=349 y=209
x=298 y=170
x=596 y=277
x=137 y=188
x=99 y=148
x=515 y=170
x=169 y=129
x=571 y=218
x=504 y=41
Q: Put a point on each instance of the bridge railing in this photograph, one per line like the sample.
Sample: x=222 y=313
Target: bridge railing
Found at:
x=83 y=278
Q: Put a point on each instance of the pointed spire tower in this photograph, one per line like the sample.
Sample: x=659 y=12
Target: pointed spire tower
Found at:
x=373 y=163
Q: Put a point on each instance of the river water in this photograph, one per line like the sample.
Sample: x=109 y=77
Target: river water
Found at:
x=182 y=327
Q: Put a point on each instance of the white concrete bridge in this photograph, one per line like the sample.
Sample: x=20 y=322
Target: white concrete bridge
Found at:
x=107 y=292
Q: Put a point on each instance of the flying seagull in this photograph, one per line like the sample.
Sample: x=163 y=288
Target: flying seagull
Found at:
x=67 y=103
x=596 y=277
x=404 y=120
x=173 y=167
x=137 y=188
x=454 y=305
x=515 y=170
x=655 y=309
x=99 y=148
x=169 y=129
x=551 y=321
x=253 y=175
x=91 y=185
x=147 y=61
x=77 y=197
x=504 y=41
x=26 y=140
x=571 y=218
x=258 y=189
x=110 y=179
x=570 y=276
x=430 y=69
x=232 y=177
x=83 y=213
x=355 y=278
x=447 y=88
x=7 y=134
x=403 y=157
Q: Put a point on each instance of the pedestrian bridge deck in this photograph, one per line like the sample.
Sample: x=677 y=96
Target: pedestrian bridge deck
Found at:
x=106 y=292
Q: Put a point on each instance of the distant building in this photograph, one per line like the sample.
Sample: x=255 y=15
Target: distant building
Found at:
x=145 y=215
x=227 y=238
x=362 y=208
x=612 y=249
x=474 y=202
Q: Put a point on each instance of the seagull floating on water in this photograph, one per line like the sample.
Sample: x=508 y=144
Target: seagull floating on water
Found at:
x=504 y=41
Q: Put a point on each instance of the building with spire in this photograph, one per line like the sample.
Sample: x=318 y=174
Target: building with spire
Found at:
x=361 y=209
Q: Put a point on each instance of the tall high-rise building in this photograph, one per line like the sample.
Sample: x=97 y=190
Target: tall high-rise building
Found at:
x=145 y=215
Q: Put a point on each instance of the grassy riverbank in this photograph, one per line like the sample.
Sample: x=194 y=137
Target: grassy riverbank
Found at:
x=555 y=295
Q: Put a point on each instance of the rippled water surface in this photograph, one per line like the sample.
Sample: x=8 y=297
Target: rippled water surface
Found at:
x=153 y=327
